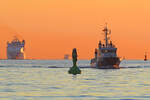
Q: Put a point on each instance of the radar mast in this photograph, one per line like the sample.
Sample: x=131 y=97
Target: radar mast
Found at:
x=106 y=32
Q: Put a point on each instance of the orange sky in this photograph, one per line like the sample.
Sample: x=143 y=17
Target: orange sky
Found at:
x=52 y=28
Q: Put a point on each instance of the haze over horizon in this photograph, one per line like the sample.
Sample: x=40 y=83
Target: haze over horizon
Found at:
x=53 y=28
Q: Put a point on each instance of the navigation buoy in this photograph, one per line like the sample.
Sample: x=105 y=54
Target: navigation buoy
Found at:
x=145 y=59
x=74 y=69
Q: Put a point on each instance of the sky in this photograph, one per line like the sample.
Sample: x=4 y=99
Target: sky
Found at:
x=53 y=28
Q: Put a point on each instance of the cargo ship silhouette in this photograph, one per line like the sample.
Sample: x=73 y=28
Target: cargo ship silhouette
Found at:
x=15 y=49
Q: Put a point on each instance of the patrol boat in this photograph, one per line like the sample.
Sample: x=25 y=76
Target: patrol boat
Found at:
x=106 y=54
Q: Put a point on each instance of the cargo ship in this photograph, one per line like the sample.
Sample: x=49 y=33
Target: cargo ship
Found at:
x=16 y=49
x=106 y=53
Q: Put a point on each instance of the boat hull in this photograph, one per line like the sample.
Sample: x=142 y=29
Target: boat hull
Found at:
x=109 y=67
x=15 y=53
x=15 y=56
x=108 y=63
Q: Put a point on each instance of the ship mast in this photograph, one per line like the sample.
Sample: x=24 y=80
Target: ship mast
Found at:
x=106 y=31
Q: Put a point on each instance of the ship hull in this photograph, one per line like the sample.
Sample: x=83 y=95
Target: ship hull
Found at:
x=109 y=67
x=17 y=56
x=108 y=63
x=15 y=53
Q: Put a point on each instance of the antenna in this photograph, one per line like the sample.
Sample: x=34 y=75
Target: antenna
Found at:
x=106 y=32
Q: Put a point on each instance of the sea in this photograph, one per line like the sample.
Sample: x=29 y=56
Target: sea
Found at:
x=49 y=80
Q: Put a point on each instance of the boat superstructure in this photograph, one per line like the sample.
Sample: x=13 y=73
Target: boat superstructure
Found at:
x=106 y=53
x=15 y=49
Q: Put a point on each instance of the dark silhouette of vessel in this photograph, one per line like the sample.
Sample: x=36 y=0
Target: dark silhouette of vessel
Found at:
x=16 y=49
x=106 y=54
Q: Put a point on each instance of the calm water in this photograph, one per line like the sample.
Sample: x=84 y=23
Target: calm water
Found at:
x=49 y=80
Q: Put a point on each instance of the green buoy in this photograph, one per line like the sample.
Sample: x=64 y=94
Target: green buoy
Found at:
x=74 y=69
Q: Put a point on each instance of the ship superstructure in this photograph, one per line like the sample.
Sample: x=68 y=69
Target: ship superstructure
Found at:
x=106 y=54
x=15 y=49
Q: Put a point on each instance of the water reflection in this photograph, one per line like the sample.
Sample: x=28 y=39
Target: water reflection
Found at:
x=28 y=83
